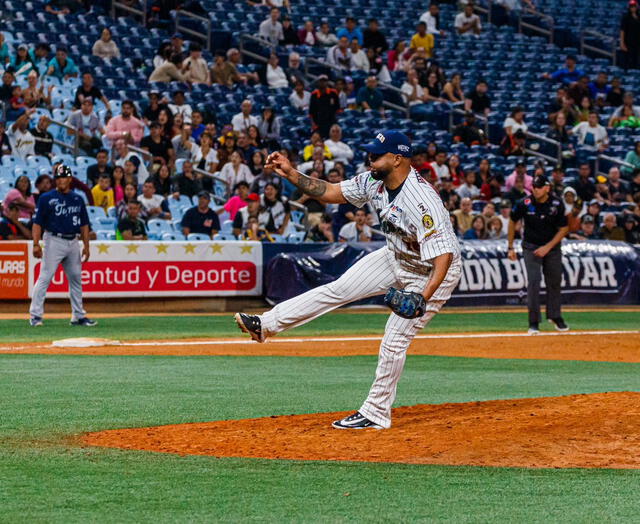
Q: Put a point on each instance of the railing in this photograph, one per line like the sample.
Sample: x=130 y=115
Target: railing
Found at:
x=190 y=31
x=140 y=11
x=300 y=207
x=609 y=52
x=527 y=11
x=256 y=39
x=75 y=148
x=455 y=110
x=557 y=159
x=484 y=10
x=613 y=160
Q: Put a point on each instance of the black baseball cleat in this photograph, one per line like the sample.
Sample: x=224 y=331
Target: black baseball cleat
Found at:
x=559 y=323
x=250 y=324
x=35 y=321
x=84 y=321
x=355 y=421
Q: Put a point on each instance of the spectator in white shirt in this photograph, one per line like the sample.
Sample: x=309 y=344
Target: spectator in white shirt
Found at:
x=236 y=170
x=467 y=23
x=154 y=204
x=340 y=55
x=325 y=37
x=591 y=134
x=21 y=139
x=276 y=77
x=179 y=107
x=515 y=122
x=469 y=188
x=432 y=19
x=244 y=120
x=439 y=168
x=271 y=28
x=356 y=231
x=340 y=151
x=300 y=98
x=196 y=69
x=359 y=59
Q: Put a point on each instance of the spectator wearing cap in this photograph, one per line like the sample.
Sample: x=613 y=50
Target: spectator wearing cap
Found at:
x=351 y=31
x=254 y=211
x=169 y=70
x=505 y=214
x=631 y=230
x=630 y=35
x=545 y=225
x=299 y=97
x=177 y=45
x=587 y=231
x=21 y=64
x=61 y=66
x=125 y=125
x=271 y=28
x=467 y=23
x=87 y=126
x=180 y=107
x=593 y=208
x=21 y=139
x=369 y=97
x=591 y=134
x=89 y=90
x=105 y=47
x=194 y=67
x=201 y=218
x=324 y=106
x=42 y=137
x=325 y=37
x=567 y=74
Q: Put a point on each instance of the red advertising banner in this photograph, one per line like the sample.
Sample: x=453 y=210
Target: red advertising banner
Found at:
x=14 y=270
x=146 y=269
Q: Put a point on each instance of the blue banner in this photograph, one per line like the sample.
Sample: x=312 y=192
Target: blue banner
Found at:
x=594 y=272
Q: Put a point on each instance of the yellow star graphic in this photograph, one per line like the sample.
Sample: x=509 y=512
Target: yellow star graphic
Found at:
x=161 y=248
x=216 y=248
x=132 y=248
x=103 y=248
x=246 y=249
x=189 y=248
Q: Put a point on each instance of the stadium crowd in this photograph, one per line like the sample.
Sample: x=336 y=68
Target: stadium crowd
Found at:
x=159 y=165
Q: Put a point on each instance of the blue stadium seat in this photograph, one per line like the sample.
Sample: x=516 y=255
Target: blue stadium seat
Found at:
x=197 y=236
x=224 y=236
x=170 y=237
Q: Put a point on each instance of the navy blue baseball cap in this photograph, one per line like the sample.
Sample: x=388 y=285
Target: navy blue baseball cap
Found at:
x=390 y=141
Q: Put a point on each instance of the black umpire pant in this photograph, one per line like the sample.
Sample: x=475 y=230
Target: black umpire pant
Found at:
x=551 y=266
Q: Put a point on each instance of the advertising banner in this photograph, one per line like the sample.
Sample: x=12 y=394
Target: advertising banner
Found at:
x=14 y=270
x=165 y=269
x=594 y=272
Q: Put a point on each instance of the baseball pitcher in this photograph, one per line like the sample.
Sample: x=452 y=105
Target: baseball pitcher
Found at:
x=417 y=270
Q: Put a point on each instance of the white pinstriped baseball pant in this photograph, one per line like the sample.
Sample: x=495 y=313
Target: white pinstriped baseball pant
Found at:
x=372 y=275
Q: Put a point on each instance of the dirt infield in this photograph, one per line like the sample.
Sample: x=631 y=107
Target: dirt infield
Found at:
x=552 y=346
x=578 y=431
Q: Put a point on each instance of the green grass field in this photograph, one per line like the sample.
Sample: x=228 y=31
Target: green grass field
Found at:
x=45 y=398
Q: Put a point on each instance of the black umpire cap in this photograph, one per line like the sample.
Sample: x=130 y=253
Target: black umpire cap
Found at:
x=541 y=181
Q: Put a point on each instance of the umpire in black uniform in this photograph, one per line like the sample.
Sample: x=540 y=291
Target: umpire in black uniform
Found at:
x=545 y=225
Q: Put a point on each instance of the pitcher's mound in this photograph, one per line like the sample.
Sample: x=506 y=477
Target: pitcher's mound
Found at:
x=578 y=431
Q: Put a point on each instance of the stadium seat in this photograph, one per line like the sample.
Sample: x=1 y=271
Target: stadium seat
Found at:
x=224 y=236
x=297 y=237
x=198 y=236
x=105 y=235
x=227 y=226
x=95 y=212
x=157 y=225
x=173 y=237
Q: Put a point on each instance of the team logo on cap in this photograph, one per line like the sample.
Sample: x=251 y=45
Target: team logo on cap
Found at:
x=404 y=148
x=380 y=137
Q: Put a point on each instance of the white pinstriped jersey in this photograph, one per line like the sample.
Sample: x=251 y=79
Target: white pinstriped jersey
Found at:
x=416 y=223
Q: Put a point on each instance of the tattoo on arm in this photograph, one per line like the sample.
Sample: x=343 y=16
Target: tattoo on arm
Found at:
x=309 y=186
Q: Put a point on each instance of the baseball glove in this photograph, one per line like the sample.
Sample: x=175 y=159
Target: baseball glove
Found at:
x=405 y=304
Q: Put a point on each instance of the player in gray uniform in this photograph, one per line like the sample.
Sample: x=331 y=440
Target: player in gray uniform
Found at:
x=422 y=257
x=62 y=215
